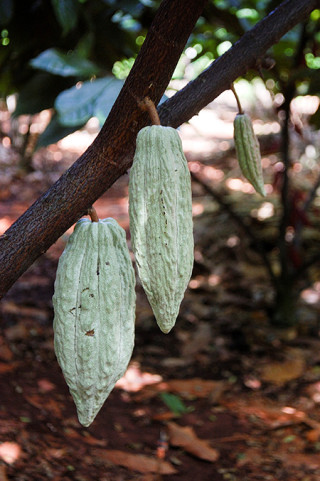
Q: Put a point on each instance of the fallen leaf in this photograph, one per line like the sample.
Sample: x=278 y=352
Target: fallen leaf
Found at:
x=4 y=367
x=136 y=462
x=313 y=435
x=185 y=437
x=196 y=388
x=282 y=372
x=252 y=456
x=50 y=405
x=187 y=388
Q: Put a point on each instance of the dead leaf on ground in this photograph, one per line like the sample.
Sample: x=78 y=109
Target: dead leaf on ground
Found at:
x=281 y=372
x=197 y=388
x=273 y=414
x=136 y=462
x=251 y=456
x=189 y=389
x=4 y=367
x=185 y=437
x=312 y=461
x=87 y=438
x=50 y=405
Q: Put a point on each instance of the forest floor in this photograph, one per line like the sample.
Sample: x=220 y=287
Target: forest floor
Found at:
x=224 y=396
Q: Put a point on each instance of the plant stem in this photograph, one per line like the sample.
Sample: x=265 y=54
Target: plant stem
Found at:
x=93 y=214
x=237 y=99
x=148 y=105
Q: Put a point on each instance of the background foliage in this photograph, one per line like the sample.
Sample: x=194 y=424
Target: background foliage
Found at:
x=73 y=55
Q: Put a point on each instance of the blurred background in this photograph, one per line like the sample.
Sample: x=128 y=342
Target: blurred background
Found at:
x=242 y=366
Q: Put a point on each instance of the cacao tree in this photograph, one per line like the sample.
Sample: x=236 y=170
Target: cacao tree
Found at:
x=110 y=155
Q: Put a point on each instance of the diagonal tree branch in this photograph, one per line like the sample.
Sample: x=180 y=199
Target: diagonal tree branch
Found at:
x=110 y=155
x=245 y=54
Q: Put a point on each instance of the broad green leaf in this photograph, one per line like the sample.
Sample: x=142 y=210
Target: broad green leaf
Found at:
x=79 y=104
x=66 y=65
x=55 y=132
x=66 y=12
x=106 y=99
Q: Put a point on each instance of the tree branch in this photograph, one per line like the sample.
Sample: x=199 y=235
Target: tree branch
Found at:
x=243 y=55
x=111 y=153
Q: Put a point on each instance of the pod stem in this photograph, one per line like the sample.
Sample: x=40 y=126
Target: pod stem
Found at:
x=148 y=105
x=93 y=214
x=237 y=99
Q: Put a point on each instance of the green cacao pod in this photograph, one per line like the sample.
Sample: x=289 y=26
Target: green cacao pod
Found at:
x=94 y=312
x=248 y=152
x=160 y=209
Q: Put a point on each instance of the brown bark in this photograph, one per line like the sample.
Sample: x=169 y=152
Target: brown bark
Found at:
x=110 y=155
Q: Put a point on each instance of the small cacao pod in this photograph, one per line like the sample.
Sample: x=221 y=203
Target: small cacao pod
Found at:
x=160 y=209
x=94 y=312
x=248 y=152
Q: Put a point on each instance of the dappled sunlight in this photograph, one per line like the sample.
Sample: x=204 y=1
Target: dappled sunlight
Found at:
x=212 y=173
x=240 y=185
x=264 y=212
x=134 y=379
x=212 y=280
x=311 y=296
x=197 y=209
x=10 y=452
x=5 y=223
x=233 y=241
x=265 y=128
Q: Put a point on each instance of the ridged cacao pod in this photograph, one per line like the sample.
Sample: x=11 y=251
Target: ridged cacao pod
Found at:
x=94 y=313
x=248 y=152
x=160 y=209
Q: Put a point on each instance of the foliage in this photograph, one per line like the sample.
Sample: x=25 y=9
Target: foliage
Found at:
x=87 y=41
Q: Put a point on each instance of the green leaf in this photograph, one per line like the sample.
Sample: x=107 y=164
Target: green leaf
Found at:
x=174 y=403
x=78 y=104
x=66 y=12
x=106 y=99
x=6 y=11
x=55 y=132
x=66 y=65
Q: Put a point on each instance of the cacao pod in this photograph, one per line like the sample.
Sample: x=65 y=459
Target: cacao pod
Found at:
x=94 y=312
x=160 y=209
x=248 y=152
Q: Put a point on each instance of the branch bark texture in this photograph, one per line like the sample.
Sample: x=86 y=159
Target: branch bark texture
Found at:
x=111 y=153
